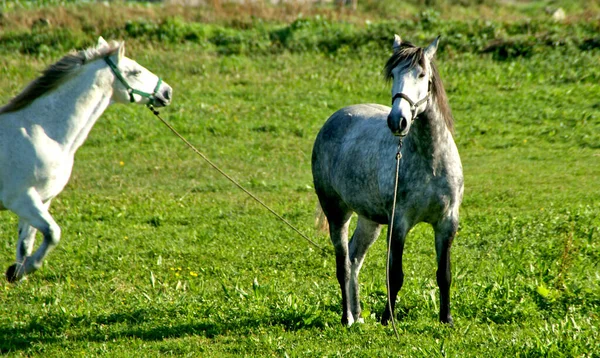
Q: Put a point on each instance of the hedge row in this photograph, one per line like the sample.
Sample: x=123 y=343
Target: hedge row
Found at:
x=503 y=40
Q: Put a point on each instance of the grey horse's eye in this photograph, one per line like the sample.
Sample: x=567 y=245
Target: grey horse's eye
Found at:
x=422 y=74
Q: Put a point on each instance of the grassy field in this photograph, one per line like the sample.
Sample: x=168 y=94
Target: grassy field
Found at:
x=162 y=256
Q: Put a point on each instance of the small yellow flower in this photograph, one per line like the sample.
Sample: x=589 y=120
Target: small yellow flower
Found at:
x=192 y=273
x=121 y=163
x=524 y=140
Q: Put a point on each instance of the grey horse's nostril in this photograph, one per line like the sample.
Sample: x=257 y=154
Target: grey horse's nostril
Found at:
x=403 y=124
x=391 y=124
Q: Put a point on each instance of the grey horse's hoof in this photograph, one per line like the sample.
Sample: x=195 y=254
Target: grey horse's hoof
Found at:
x=11 y=274
x=448 y=321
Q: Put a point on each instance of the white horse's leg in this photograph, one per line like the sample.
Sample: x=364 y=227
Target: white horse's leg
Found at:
x=24 y=245
x=364 y=236
x=445 y=230
x=29 y=207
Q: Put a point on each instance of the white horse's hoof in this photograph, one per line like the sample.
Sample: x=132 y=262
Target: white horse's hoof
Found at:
x=14 y=273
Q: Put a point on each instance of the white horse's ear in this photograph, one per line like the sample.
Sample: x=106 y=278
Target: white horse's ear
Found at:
x=397 y=42
x=101 y=42
x=432 y=48
x=121 y=51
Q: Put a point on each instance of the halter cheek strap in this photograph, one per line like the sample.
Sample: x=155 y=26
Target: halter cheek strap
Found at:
x=413 y=106
x=130 y=90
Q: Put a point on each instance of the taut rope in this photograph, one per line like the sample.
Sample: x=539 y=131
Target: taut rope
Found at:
x=157 y=114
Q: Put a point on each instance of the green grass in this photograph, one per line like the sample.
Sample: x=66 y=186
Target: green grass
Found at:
x=162 y=256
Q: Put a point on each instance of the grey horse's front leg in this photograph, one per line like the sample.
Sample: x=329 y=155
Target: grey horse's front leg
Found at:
x=364 y=236
x=396 y=273
x=444 y=235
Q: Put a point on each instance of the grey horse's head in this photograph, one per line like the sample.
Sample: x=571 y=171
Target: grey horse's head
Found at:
x=415 y=84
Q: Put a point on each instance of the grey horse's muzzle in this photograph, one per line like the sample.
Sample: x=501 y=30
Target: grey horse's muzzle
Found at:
x=397 y=121
x=398 y=124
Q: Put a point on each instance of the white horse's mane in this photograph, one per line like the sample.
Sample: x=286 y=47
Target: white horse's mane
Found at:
x=56 y=73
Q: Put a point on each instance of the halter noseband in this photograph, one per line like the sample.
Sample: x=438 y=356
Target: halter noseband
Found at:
x=151 y=96
x=413 y=105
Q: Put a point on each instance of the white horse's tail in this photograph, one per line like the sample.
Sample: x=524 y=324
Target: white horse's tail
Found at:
x=321 y=223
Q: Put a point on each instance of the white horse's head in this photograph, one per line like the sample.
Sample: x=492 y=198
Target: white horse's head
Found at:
x=134 y=83
x=410 y=70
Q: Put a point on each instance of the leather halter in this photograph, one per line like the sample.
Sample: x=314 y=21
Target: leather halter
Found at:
x=413 y=105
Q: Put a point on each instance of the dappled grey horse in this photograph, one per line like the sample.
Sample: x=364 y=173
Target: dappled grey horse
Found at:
x=43 y=126
x=353 y=165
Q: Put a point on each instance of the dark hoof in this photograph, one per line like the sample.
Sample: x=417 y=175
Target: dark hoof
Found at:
x=344 y=320
x=385 y=319
x=11 y=273
x=449 y=321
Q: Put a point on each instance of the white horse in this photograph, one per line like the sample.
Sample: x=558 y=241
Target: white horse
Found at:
x=43 y=126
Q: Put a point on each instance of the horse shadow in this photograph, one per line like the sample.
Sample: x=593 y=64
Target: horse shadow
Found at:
x=53 y=327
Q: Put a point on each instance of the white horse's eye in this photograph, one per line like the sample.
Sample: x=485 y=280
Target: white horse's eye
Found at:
x=422 y=74
x=135 y=72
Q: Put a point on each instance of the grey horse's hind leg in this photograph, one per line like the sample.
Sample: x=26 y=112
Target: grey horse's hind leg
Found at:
x=339 y=237
x=396 y=273
x=445 y=231
x=364 y=236
x=338 y=215
x=30 y=208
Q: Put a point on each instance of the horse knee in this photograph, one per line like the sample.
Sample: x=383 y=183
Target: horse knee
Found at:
x=52 y=235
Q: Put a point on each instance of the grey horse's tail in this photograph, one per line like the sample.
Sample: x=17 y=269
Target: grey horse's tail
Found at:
x=321 y=223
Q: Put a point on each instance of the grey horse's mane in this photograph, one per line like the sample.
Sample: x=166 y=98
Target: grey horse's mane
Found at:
x=415 y=55
x=56 y=73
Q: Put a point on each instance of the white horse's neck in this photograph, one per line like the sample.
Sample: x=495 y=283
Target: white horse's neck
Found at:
x=68 y=113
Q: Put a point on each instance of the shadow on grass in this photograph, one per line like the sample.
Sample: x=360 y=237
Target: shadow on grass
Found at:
x=145 y=324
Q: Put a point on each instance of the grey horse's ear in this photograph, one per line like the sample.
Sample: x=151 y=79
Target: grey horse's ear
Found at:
x=432 y=48
x=397 y=42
